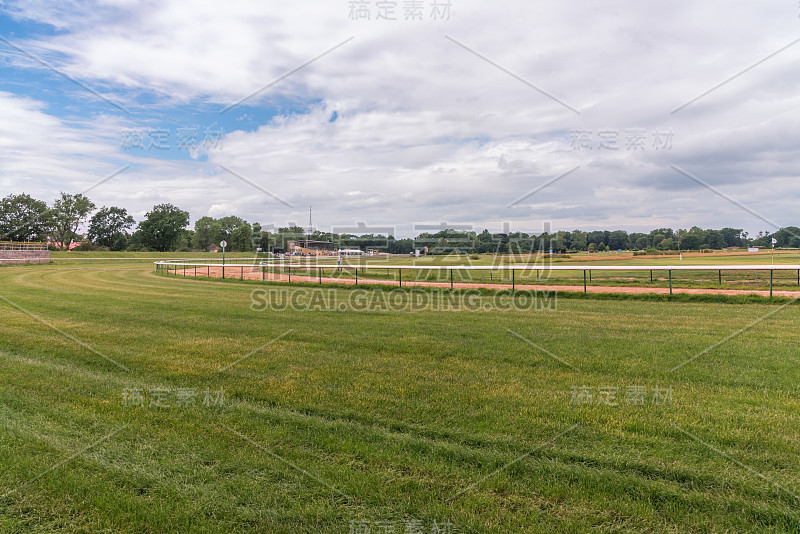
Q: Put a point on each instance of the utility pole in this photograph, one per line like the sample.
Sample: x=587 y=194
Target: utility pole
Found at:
x=309 y=226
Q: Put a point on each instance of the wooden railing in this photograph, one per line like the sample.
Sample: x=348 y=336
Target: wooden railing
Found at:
x=22 y=245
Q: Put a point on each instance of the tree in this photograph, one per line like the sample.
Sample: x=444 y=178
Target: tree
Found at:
x=733 y=237
x=228 y=225
x=715 y=239
x=690 y=241
x=657 y=239
x=242 y=238
x=665 y=232
x=560 y=242
x=784 y=236
x=618 y=240
x=68 y=212
x=23 y=218
x=161 y=229
x=206 y=231
x=108 y=227
x=400 y=246
x=579 y=240
x=598 y=238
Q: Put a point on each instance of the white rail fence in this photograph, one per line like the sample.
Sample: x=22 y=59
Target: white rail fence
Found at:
x=168 y=266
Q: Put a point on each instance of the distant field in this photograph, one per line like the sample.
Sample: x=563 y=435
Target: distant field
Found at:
x=337 y=420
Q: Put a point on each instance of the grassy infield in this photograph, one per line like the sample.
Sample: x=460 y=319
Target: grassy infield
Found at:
x=387 y=417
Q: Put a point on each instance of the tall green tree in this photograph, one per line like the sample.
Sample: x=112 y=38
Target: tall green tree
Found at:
x=228 y=224
x=579 y=240
x=242 y=238
x=23 y=218
x=733 y=237
x=162 y=228
x=207 y=230
x=690 y=241
x=618 y=240
x=68 y=213
x=109 y=227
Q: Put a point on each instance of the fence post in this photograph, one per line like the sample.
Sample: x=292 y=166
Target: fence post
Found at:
x=651 y=276
x=720 y=277
x=584 y=280
x=400 y=277
x=319 y=271
x=451 y=278
x=670 y=282
x=356 y=275
x=513 y=280
x=770 y=283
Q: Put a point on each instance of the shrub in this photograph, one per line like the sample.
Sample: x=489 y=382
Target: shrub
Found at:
x=87 y=246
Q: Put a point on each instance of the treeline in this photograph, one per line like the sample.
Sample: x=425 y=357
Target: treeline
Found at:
x=164 y=228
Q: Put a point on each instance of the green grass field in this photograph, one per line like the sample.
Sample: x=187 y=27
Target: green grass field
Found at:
x=335 y=421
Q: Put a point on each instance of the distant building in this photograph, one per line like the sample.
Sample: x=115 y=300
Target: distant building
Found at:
x=213 y=248
x=61 y=245
x=308 y=246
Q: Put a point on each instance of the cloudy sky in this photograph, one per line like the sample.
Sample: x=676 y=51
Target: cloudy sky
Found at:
x=405 y=113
